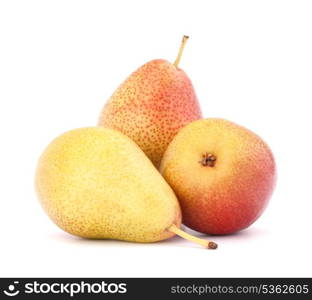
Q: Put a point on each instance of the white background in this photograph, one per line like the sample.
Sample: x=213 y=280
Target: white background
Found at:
x=250 y=62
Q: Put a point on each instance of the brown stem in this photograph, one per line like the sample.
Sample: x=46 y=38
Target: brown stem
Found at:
x=184 y=40
x=207 y=244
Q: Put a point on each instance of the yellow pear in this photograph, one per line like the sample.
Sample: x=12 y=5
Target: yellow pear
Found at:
x=97 y=183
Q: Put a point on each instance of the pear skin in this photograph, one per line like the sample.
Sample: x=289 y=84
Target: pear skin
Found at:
x=97 y=183
x=222 y=173
x=152 y=105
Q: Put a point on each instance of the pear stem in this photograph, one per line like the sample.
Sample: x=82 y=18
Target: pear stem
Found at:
x=207 y=244
x=184 y=40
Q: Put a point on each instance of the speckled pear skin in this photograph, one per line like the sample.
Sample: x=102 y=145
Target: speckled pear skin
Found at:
x=230 y=195
x=151 y=106
x=97 y=183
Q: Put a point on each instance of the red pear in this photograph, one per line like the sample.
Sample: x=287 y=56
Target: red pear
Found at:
x=152 y=105
x=222 y=173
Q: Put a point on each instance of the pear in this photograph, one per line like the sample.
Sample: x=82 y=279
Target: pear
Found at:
x=152 y=105
x=97 y=183
x=222 y=173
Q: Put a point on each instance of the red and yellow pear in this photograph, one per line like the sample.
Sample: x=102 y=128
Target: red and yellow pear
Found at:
x=222 y=173
x=152 y=105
